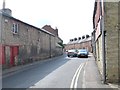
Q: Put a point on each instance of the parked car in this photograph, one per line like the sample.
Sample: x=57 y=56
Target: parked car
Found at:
x=82 y=53
x=72 y=53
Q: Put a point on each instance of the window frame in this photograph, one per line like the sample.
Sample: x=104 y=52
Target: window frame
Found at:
x=15 y=28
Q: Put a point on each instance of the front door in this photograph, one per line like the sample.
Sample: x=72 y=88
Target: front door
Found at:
x=13 y=53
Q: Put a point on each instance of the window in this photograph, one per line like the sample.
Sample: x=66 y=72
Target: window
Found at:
x=15 y=28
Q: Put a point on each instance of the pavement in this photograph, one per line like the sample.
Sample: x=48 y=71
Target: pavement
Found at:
x=92 y=77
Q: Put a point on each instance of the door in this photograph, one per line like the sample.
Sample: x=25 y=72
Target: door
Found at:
x=13 y=53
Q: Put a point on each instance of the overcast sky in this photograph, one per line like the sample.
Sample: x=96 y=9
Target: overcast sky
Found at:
x=73 y=18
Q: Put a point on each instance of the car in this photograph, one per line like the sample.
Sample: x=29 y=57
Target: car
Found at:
x=72 y=53
x=82 y=53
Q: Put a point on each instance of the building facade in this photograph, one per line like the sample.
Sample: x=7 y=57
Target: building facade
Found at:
x=106 y=39
x=21 y=43
x=80 y=43
x=50 y=29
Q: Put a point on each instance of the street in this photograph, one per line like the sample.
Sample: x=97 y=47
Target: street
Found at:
x=35 y=38
x=62 y=72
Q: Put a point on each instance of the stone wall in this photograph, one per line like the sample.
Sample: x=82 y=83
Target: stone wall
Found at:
x=119 y=40
x=99 y=54
x=112 y=41
x=32 y=43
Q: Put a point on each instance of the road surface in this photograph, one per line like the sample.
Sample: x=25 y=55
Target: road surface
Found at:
x=62 y=72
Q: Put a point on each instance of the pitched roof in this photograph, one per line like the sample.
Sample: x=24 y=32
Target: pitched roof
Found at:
x=6 y=15
x=79 y=41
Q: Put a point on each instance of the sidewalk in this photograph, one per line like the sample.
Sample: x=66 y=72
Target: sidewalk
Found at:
x=92 y=76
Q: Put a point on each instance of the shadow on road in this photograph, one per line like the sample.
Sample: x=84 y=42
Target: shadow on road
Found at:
x=34 y=73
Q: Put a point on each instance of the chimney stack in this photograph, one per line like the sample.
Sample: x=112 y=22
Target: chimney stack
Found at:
x=3 y=4
x=5 y=10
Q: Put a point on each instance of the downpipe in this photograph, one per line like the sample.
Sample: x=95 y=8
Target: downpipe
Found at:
x=103 y=51
x=103 y=43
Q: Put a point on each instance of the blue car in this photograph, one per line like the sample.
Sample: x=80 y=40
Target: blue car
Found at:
x=82 y=53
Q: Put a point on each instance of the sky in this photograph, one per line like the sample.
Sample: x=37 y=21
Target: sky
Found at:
x=73 y=18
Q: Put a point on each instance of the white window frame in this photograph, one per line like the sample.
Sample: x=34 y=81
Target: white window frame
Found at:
x=15 y=28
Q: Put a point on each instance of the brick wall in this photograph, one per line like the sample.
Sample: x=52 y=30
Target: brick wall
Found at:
x=51 y=30
x=86 y=44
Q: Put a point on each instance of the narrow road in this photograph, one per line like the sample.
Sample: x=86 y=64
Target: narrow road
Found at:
x=62 y=72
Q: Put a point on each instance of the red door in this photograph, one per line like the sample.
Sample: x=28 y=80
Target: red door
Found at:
x=13 y=52
x=2 y=54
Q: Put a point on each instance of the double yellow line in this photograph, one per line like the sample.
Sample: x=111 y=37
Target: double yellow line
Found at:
x=76 y=77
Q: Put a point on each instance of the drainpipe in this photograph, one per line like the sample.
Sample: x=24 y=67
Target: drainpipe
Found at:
x=103 y=46
x=94 y=42
x=50 y=45
x=103 y=52
x=0 y=27
x=0 y=51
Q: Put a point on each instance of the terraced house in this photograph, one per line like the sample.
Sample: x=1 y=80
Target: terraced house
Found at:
x=22 y=43
x=106 y=39
x=83 y=42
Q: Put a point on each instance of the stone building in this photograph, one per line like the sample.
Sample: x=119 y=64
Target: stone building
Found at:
x=106 y=39
x=80 y=43
x=22 y=43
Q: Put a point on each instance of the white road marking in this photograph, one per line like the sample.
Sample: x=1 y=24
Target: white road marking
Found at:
x=76 y=76
x=84 y=84
x=72 y=83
